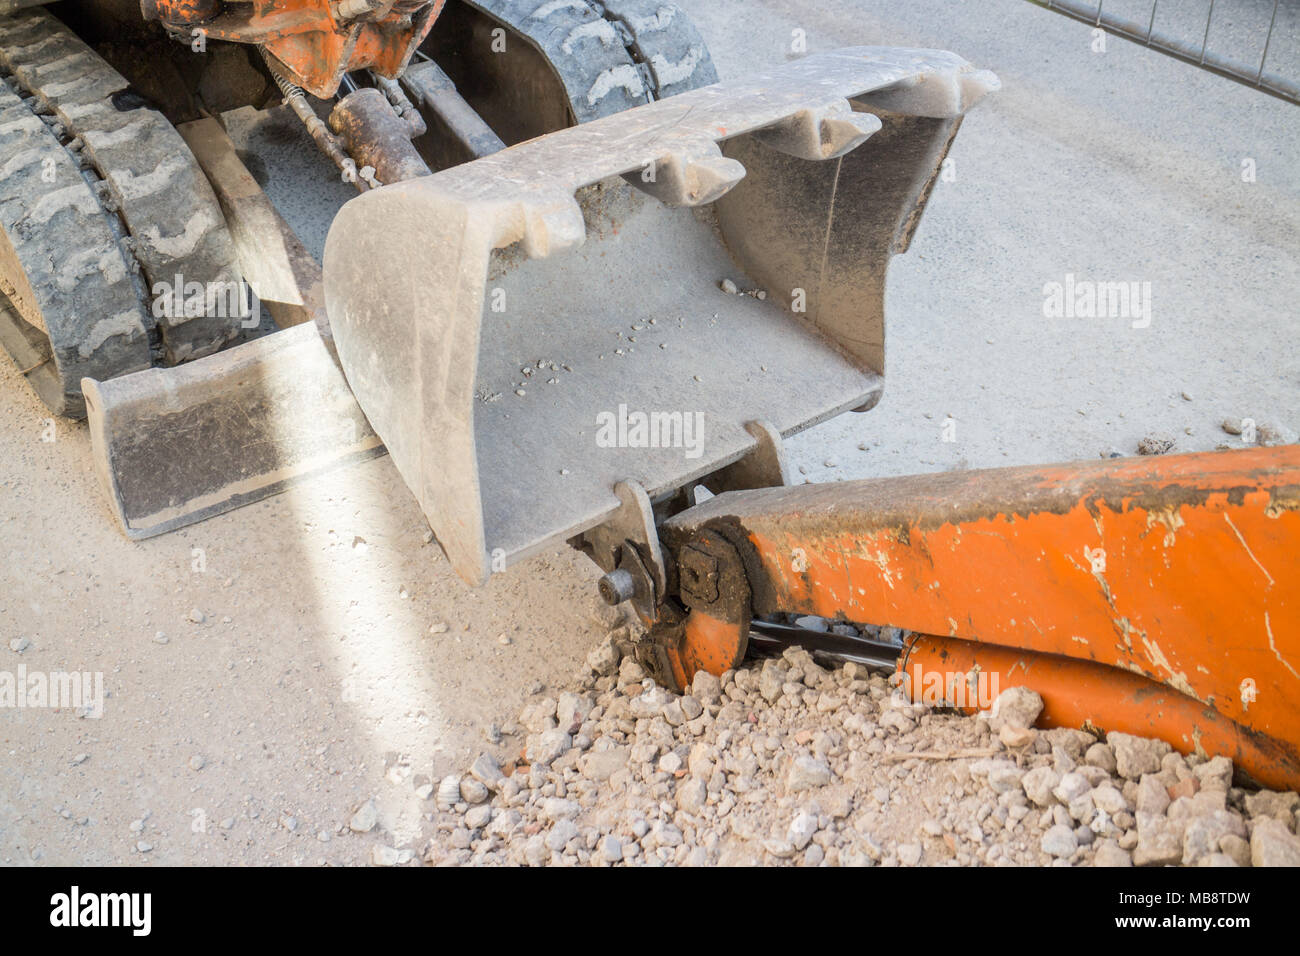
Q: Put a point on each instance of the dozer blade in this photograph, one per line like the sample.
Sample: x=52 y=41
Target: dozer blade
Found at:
x=174 y=446
x=526 y=332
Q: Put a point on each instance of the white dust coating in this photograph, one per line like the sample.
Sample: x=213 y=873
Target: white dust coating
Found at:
x=107 y=262
x=669 y=73
x=76 y=111
x=77 y=196
x=624 y=76
x=55 y=90
x=184 y=242
x=81 y=56
x=132 y=186
x=601 y=30
x=29 y=124
x=22 y=160
x=1268 y=627
x=660 y=21
x=124 y=323
x=555 y=6
x=132 y=131
x=22 y=52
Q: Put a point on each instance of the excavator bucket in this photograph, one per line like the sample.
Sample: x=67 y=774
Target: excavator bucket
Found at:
x=554 y=336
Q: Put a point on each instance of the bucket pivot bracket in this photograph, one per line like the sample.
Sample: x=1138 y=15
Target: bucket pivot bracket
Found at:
x=626 y=547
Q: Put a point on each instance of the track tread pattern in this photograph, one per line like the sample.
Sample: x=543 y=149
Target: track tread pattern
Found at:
x=664 y=40
x=610 y=56
x=73 y=307
x=152 y=182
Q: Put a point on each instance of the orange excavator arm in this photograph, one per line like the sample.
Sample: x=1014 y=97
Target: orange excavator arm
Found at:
x=1157 y=596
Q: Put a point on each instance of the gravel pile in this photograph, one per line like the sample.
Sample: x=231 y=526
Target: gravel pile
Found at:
x=786 y=761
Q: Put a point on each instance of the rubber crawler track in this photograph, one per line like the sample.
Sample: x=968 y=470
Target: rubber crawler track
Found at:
x=98 y=192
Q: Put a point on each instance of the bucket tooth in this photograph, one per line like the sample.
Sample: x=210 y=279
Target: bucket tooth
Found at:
x=689 y=178
x=552 y=223
x=936 y=95
x=173 y=446
x=823 y=132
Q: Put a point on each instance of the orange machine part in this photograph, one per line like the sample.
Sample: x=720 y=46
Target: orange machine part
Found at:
x=1084 y=695
x=707 y=644
x=1182 y=569
x=313 y=45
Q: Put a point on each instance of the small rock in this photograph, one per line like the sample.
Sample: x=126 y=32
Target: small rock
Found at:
x=19 y=644
x=365 y=818
x=729 y=287
x=1005 y=776
x=811 y=623
x=1015 y=707
x=1159 y=843
x=1109 y=854
x=1214 y=774
x=807 y=772
x=197 y=762
x=802 y=829
x=447 y=794
x=197 y=616
x=536 y=852
x=600 y=765
x=1237 y=848
x=771 y=680
x=547 y=747
x=381 y=855
x=1013 y=738
x=909 y=854
x=692 y=795
x=473 y=791
x=706 y=688
x=561 y=833
x=1110 y=800
x=1135 y=756
x=1272 y=844
x=1155 y=445
x=1060 y=841
x=487 y=771
x=1152 y=797
x=1271 y=803
x=1100 y=755
x=603 y=658
x=1270 y=435
x=1071 y=788
x=1039 y=784
x=611 y=849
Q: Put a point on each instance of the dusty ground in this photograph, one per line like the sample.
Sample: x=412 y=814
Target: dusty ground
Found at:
x=313 y=681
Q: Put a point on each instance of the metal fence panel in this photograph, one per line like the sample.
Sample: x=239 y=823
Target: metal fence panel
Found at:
x=1255 y=42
